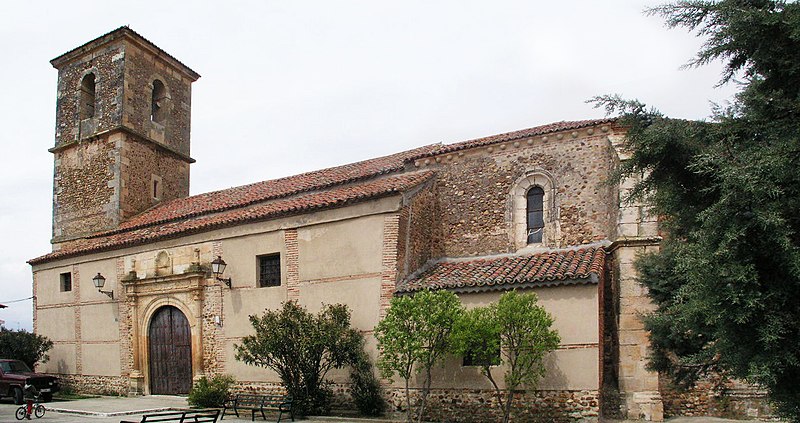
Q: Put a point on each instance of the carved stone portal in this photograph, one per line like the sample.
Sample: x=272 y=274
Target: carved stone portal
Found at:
x=144 y=297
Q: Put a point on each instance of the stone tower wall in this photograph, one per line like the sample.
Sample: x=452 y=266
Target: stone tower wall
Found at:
x=84 y=191
x=142 y=67
x=107 y=64
x=140 y=162
x=107 y=166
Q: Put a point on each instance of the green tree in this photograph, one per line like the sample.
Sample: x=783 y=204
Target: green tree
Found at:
x=301 y=348
x=726 y=281
x=25 y=346
x=414 y=335
x=522 y=328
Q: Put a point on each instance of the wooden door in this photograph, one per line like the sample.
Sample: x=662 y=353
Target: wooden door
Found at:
x=170 y=352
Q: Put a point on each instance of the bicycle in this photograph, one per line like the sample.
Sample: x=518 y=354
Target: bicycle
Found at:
x=33 y=406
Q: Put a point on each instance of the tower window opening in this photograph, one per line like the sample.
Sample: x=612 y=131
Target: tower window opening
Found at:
x=157 y=109
x=87 y=96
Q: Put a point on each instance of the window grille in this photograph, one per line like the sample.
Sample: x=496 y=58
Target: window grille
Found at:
x=269 y=270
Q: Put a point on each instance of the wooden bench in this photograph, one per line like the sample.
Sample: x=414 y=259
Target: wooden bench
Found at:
x=193 y=416
x=259 y=403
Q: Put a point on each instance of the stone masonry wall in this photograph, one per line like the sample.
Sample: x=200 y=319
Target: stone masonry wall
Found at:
x=213 y=342
x=420 y=232
x=139 y=162
x=474 y=405
x=107 y=64
x=83 y=199
x=731 y=400
x=96 y=385
x=474 y=188
x=141 y=70
x=465 y=405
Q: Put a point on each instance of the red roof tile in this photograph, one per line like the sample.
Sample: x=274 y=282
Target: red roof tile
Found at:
x=506 y=272
x=267 y=199
x=244 y=195
x=303 y=203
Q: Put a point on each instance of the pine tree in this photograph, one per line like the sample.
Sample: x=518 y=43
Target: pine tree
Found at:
x=726 y=282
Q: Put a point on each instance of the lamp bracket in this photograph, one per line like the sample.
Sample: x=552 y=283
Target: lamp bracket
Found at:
x=226 y=281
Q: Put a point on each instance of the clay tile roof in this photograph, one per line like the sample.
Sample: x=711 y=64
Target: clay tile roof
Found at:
x=509 y=271
x=515 y=135
x=244 y=195
x=302 y=203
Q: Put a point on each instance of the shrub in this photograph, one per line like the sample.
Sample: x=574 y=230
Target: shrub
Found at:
x=25 y=346
x=301 y=348
x=211 y=393
x=365 y=387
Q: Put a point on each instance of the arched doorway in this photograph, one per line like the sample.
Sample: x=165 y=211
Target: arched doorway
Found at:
x=170 y=340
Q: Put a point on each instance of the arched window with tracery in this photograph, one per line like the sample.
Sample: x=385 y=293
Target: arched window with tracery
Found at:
x=87 y=96
x=535 y=214
x=158 y=102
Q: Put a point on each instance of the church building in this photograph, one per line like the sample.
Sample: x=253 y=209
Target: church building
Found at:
x=128 y=297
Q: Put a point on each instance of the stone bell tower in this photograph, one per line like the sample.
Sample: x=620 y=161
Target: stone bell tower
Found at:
x=122 y=133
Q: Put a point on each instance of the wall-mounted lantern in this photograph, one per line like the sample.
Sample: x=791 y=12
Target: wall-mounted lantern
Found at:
x=218 y=268
x=99 y=282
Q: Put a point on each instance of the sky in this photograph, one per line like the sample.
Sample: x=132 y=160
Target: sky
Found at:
x=295 y=85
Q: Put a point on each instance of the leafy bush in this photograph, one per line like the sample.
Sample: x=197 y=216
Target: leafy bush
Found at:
x=365 y=387
x=211 y=393
x=25 y=346
x=301 y=348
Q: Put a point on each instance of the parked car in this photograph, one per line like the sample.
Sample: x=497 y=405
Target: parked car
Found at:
x=14 y=374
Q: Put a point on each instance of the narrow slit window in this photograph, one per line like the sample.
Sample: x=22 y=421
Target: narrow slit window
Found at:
x=87 y=96
x=535 y=211
x=156 y=187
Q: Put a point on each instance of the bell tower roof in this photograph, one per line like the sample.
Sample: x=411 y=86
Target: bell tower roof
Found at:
x=123 y=32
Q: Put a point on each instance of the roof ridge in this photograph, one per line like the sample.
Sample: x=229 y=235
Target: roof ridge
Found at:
x=513 y=135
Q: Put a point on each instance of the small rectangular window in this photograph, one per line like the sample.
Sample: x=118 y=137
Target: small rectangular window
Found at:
x=66 y=282
x=269 y=270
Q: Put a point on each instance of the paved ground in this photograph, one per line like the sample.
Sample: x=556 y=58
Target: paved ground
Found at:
x=114 y=409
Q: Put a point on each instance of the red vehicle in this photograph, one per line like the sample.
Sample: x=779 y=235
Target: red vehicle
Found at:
x=14 y=374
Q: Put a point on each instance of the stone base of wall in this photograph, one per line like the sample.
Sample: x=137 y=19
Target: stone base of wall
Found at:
x=474 y=405
x=466 y=405
x=341 y=392
x=731 y=400
x=97 y=385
